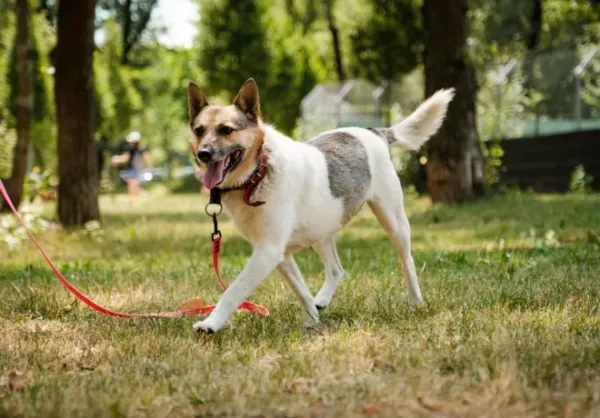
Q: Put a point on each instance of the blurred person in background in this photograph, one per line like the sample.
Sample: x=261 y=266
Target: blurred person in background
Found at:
x=135 y=159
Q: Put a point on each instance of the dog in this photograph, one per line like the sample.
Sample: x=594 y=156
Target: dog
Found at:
x=285 y=195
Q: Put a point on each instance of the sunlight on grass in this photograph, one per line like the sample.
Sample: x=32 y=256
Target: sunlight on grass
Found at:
x=510 y=326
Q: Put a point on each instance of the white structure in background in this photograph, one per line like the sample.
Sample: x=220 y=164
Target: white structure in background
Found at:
x=355 y=103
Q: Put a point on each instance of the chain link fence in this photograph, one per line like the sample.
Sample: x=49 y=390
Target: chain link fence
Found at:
x=550 y=93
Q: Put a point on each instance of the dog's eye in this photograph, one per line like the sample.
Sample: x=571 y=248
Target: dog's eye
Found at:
x=199 y=131
x=224 y=130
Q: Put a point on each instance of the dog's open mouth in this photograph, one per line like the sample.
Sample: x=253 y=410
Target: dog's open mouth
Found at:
x=216 y=172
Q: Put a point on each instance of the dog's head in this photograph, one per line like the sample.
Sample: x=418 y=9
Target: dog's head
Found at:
x=226 y=139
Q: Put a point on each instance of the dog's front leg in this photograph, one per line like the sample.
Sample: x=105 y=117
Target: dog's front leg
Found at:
x=261 y=263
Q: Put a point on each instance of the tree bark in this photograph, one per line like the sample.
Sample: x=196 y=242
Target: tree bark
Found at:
x=74 y=95
x=24 y=104
x=533 y=41
x=335 y=38
x=450 y=152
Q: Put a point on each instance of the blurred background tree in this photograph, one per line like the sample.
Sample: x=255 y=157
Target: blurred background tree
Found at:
x=74 y=96
x=21 y=99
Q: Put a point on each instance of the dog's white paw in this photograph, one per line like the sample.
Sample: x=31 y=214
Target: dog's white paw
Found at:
x=321 y=302
x=207 y=326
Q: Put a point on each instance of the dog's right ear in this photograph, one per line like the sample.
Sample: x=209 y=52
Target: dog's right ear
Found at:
x=196 y=101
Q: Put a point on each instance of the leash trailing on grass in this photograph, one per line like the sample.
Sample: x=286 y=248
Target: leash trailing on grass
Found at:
x=189 y=308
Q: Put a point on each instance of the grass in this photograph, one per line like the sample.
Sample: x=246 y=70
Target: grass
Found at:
x=510 y=326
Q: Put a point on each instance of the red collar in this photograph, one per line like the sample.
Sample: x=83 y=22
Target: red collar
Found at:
x=253 y=181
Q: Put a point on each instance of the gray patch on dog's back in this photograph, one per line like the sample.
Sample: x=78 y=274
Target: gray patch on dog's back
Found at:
x=347 y=169
x=385 y=133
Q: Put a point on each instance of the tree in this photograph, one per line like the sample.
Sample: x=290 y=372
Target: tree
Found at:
x=233 y=44
x=335 y=39
x=133 y=16
x=74 y=96
x=41 y=131
x=312 y=10
x=117 y=100
x=24 y=102
x=450 y=174
x=389 y=44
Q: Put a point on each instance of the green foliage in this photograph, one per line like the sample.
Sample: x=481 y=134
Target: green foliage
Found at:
x=590 y=85
x=117 y=99
x=499 y=29
x=580 y=180
x=43 y=131
x=133 y=17
x=163 y=119
x=43 y=137
x=502 y=108
x=290 y=79
x=235 y=44
x=389 y=44
x=7 y=132
x=7 y=30
x=8 y=139
x=39 y=183
x=493 y=154
x=41 y=101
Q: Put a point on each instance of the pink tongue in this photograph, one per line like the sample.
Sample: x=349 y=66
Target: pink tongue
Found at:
x=214 y=174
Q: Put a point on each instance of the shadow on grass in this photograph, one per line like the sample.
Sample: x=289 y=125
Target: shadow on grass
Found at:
x=174 y=217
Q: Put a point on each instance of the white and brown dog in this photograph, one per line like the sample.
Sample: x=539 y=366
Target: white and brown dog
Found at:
x=310 y=190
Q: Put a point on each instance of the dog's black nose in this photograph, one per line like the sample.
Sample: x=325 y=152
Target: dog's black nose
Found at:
x=205 y=155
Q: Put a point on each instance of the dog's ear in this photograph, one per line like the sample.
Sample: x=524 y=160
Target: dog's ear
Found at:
x=247 y=99
x=196 y=101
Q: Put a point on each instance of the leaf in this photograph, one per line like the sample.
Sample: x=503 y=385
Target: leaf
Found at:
x=13 y=381
x=369 y=409
x=191 y=304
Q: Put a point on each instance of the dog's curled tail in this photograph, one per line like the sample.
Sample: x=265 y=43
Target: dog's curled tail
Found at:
x=420 y=125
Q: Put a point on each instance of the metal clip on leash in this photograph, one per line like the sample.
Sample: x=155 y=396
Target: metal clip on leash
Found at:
x=213 y=209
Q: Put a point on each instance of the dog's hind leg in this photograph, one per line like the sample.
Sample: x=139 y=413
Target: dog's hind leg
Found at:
x=388 y=207
x=333 y=271
x=292 y=274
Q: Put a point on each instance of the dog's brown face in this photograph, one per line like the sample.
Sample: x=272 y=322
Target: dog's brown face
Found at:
x=226 y=139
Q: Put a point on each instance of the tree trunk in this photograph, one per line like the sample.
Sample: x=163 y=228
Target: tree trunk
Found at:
x=24 y=102
x=74 y=94
x=533 y=41
x=335 y=38
x=126 y=35
x=450 y=176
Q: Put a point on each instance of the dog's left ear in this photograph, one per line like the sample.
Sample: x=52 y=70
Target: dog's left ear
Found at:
x=247 y=99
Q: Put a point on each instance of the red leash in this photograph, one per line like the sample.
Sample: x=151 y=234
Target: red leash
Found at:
x=216 y=248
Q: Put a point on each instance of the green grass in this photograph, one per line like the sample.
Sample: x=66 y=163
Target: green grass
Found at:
x=510 y=326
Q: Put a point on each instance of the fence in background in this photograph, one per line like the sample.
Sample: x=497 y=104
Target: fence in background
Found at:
x=546 y=163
